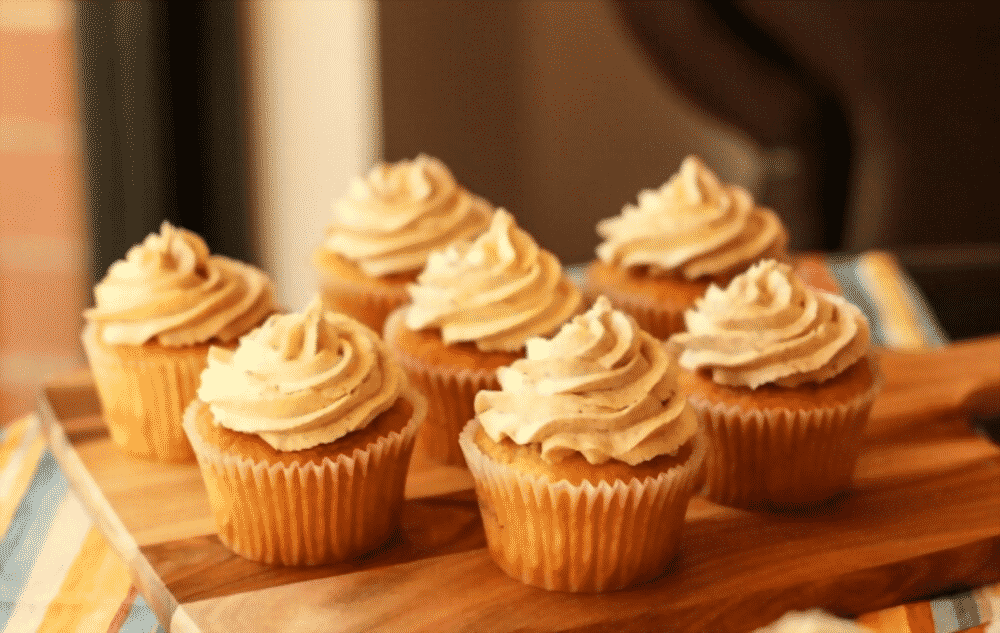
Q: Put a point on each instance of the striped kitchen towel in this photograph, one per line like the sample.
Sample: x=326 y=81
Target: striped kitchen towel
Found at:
x=57 y=572
x=899 y=315
x=969 y=612
x=973 y=612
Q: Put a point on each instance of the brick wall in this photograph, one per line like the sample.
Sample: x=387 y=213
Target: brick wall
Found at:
x=43 y=265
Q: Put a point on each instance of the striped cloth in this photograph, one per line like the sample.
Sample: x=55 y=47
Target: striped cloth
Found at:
x=899 y=315
x=58 y=573
x=973 y=611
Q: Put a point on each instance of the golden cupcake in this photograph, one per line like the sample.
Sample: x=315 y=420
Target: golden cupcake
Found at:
x=473 y=307
x=303 y=434
x=586 y=458
x=782 y=378
x=157 y=313
x=662 y=253
x=384 y=229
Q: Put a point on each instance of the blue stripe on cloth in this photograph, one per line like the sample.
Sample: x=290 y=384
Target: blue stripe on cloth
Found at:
x=955 y=613
x=27 y=532
x=844 y=269
x=140 y=619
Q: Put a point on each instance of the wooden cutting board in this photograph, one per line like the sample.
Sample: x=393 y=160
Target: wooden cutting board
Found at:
x=922 y=518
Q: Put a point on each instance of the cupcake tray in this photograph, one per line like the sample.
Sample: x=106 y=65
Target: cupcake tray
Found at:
x=923 y=518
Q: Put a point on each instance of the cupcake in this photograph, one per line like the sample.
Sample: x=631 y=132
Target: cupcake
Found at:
x=782 y=378
x=384 y=229
x=586 y=458
x=660 y=255
x=473 y=308
x=303 y=435
x=157 y=313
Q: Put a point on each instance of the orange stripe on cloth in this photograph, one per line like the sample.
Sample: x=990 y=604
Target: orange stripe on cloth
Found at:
x=892 y=620
x=920 y=617
x=812 y=268
x=11 y=439
x=122 y=614
x=95 y=588
x=883 y=276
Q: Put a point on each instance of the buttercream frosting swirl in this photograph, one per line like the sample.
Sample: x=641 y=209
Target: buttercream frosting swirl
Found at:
x=496 y=291
x=768 y=326
x=693 y=226
x=390 y=221
x=302 y=379
x=601 y=387
x=169 y=289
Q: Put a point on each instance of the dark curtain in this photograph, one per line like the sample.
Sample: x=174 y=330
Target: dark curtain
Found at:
x=735 y=70
x=163 y=123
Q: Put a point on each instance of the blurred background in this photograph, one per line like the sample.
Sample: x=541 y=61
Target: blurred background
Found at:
x=864 y=125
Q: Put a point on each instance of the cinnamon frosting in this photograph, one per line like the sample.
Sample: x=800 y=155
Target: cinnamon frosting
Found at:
x=768 y=326
x=302 y=379
x=391 y=220
x=497 y=291
x=601 y=387
x=693 y=226
x=168 y=289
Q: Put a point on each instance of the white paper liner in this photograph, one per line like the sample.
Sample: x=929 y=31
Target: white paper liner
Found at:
x=143 y=400
x=778 y=458
x=369 y=305
x=581 y=538
x=451 y=394
x=307 y=514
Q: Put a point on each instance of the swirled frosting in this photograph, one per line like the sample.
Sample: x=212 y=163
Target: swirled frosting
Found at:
x=390 y=221
x=600 y=387
x=169 y=289
x=497 y=291
x=693 y=226
x=302 y=379
x=767 y=326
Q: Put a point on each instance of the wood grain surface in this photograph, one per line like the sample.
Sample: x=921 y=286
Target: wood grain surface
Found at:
x=922 y=518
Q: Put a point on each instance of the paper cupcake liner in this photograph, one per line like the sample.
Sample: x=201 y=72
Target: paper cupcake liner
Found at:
x=451 y=395
x=369 y=305
x=143 y=398
x=580 y=538
x=658 y=320
x=307 y=514
x=779 y=458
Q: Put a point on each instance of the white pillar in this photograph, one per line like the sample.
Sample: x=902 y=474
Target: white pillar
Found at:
x=315 y=122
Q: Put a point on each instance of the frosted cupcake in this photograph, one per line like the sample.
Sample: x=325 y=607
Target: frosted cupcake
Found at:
x=157 y=313
x=384 y=229
x=303 y=435
x=782 y=377
x=586 y=458
x=658 y=256
x=473 y=308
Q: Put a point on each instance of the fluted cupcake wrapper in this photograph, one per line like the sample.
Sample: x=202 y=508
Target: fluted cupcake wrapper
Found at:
x=780 y=458
x=369 y=305
x=307 y=514
x=143 y=396
x=580 y=538
x=451 y=395
x=659 y=320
